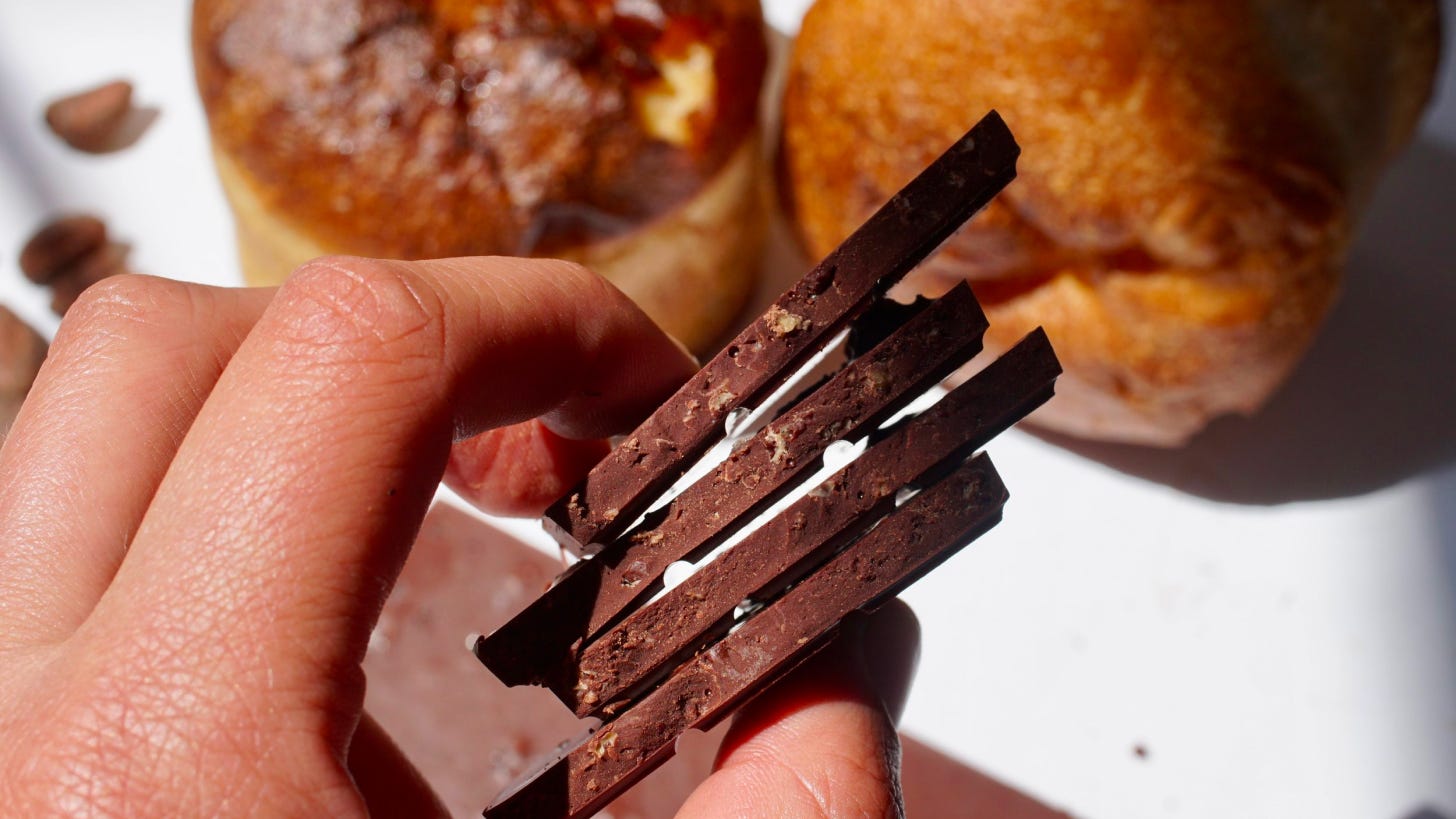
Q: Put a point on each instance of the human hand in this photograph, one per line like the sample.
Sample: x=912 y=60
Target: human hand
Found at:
x=209 y=494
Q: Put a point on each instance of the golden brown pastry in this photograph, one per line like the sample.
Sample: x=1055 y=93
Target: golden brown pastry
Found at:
x=1190 y=178
x=617 y=133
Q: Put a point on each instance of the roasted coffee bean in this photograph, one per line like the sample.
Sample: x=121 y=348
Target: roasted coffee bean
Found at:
x=59 y=245
x=98 y=120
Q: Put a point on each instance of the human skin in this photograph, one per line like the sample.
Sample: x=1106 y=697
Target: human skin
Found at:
x=209 y=493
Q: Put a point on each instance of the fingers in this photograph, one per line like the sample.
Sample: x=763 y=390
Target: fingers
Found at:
x=129 y=370
x=520 y=469
x=822 y=742
x=288 y=509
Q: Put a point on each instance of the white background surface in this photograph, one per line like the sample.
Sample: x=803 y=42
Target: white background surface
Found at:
x=1271 y=613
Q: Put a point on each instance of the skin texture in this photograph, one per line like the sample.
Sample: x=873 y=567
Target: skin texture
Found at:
x=209 y=494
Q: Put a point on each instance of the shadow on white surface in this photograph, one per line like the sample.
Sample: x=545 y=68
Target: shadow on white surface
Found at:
x=1442 y=503
x=18 y=164
x=1427 y=813
x=1374 y=403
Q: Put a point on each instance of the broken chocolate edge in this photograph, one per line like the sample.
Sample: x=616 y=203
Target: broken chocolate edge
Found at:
x=907 y=245
x=595 y=594
x=966 y=418
x=908 y=228
x=913 y=534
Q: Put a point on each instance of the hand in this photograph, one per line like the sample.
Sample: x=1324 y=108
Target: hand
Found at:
x=209 y=494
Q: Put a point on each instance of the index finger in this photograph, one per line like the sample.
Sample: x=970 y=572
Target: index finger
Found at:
x=289 y=508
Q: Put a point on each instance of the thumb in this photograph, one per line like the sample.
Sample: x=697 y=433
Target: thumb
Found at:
x=822 y=741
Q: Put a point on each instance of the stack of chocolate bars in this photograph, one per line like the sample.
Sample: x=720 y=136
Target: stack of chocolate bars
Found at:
x=652 y=659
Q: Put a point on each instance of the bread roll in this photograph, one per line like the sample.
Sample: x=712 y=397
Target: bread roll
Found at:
x=1191 y=174
x=618 y=134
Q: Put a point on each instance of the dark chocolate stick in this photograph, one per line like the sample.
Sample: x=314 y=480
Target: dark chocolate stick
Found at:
x=915 y=222
x=870 y=389
x=613 y=668
x=913 y=539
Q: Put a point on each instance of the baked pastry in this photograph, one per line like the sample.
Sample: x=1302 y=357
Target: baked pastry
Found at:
x=621 y=135
x=1191 y=177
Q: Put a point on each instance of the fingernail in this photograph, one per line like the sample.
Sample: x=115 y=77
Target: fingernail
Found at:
x=889 y=652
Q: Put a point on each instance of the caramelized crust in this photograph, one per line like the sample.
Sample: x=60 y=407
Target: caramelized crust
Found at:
x=417 y=128
x=1190 y=178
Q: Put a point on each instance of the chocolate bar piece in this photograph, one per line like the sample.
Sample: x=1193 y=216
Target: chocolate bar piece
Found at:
x=688 y=658
x=937 y=339
x=910 y=541
x=614 y=667
x=915 y=222
x=469 y=735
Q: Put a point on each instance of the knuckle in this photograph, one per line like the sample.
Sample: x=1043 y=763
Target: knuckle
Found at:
x=359 y=306
x=127 y=309
x=580 y=279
